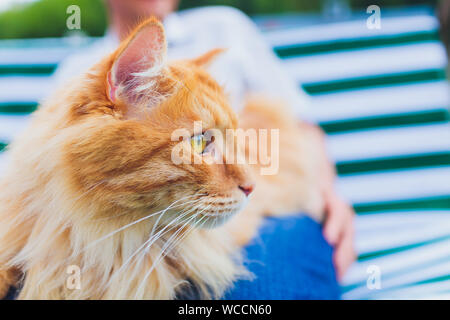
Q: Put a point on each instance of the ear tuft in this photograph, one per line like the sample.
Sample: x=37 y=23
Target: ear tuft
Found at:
x=138 y=61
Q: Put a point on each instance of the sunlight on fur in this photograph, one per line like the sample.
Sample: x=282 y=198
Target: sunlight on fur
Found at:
x=90 y=183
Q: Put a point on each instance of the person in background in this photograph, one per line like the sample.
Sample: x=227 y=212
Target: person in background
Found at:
x=248 y=66
x=444 y=19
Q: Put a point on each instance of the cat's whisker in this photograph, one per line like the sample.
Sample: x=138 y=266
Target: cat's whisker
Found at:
x=71 y=257
x=154 y=237
x=125 y=214
x=147 y=244
x=181 y=215
x=157 y=222
x=161 y=232
x=135 y=222
x=159 y=218
x=170 y=245
x=89 y=189
x=164 y=248
x=167 y=250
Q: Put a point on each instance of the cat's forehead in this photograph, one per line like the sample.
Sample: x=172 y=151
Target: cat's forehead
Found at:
x=202 y=97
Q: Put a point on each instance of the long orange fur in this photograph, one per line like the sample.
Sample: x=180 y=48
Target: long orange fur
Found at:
x=87 y=166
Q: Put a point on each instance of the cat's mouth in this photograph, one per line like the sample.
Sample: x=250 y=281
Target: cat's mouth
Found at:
x=201 y=212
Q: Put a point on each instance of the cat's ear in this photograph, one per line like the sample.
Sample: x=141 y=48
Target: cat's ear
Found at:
x=138 y=61
x=207 y=58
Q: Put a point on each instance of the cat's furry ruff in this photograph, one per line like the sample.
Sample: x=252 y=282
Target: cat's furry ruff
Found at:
x=91 y=163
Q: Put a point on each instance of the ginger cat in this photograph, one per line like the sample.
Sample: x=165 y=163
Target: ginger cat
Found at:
x=91 y=185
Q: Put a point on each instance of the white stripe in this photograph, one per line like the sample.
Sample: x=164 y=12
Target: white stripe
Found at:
x=350 y=30
x=379 y=221
x=437 y=270
x=434 y=291
x=379 y=101
x=394 y=229
x=337 y=106
x=42 y=50
x=11 y=126
x=32 y=56
x=389 y=186
x=367 y=62
x=24 y=88
x=389 y=142
x=398 y=262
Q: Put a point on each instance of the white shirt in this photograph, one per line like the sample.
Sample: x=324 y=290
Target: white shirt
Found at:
x=249 y=65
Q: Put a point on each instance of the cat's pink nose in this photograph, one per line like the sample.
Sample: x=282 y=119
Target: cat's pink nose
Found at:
x=247 y=188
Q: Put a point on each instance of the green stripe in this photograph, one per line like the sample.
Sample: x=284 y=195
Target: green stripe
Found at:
x=429 y=203
x=351 y=44
x=2 y=146
x=381 y=253
x=393 y=163
x=373 y=81
x=386 y=121
x=31 y=69
x=18 y=107
x=432 y=280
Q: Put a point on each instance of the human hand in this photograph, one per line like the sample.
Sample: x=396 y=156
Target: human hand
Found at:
x=339 y=232
x=338 y=228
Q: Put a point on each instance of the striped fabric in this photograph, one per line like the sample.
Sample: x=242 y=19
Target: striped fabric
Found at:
x=382 y=97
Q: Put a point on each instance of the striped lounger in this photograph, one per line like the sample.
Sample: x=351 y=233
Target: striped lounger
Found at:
x=382 y=97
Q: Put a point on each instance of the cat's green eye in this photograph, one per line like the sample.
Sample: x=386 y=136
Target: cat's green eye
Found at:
x=198 y=143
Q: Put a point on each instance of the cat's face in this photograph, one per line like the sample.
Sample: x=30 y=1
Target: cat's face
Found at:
x=129 y=154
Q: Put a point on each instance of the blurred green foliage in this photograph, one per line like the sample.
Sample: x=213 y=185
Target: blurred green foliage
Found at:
x=280 y=6
x=47 y=18
x=258 y=6
x=397 y=3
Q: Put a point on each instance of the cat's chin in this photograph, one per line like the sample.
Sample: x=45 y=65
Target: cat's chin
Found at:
x=211 y=221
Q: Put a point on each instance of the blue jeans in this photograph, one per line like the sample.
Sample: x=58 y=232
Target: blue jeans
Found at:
x=291 y=260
